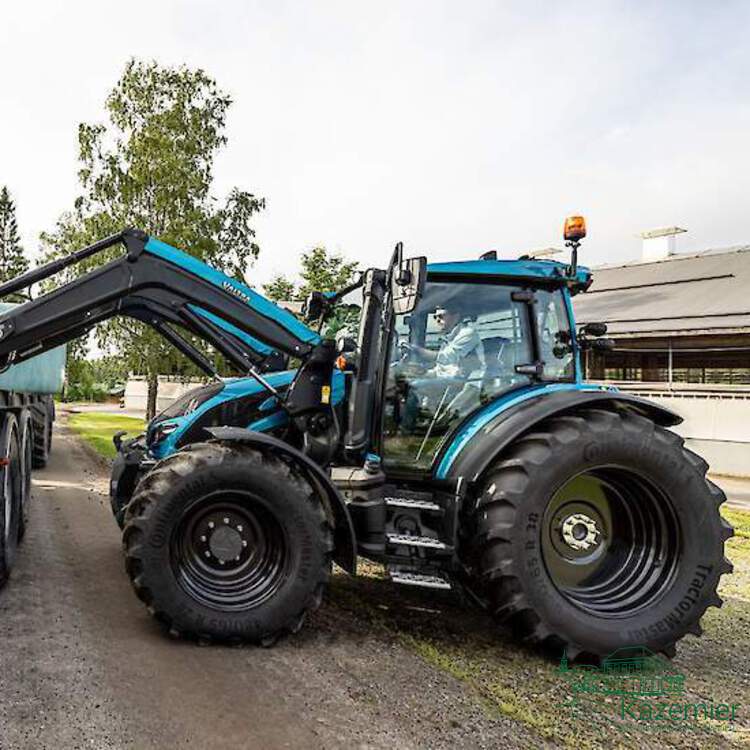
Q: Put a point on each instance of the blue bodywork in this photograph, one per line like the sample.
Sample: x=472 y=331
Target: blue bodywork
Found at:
x=473 y=426
x=234 y=388
x=539 y=270
x=271 y=415
x=257 y=301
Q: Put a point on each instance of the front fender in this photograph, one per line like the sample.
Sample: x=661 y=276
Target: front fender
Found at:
x=478 y=452
x=345 y=551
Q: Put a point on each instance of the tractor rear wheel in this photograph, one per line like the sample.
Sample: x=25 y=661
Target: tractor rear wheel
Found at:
x=11 y=489
x=224 y=542
x=598 y=531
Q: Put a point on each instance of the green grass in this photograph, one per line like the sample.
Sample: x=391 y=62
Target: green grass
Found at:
x=97 y=428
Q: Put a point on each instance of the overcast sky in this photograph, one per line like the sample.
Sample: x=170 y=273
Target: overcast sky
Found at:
x=456 y=127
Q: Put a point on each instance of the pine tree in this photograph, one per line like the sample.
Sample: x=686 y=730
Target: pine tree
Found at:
x=13 y=262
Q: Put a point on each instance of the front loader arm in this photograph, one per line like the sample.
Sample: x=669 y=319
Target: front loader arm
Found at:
x=157 y=284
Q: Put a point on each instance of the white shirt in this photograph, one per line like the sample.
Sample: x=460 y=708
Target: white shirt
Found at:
x=461 y=354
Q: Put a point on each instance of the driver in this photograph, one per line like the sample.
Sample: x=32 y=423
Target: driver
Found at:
x=461 y=352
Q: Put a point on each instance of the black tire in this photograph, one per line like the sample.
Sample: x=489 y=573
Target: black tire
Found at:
x=26 y=433
x=40 y=418
x=175 y=542
x=642 y=566
x=10 y=494
x=124 y=477
x=50 y=421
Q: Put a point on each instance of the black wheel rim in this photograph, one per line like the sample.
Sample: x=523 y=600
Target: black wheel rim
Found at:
x=229 y=552
x=610 y=542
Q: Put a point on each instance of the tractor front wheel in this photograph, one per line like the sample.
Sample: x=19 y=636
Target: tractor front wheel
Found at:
x=599 y=531
x=224 y=542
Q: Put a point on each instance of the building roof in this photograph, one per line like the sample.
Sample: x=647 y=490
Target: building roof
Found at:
x=702 y=293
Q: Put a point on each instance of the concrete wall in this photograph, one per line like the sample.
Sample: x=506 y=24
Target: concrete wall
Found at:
x=136 y=392
x=717 y=423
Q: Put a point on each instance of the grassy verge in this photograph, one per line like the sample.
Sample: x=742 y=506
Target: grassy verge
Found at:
x=97 y=429
x=523 y=684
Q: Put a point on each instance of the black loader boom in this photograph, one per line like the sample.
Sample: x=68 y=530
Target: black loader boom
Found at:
x=147 y=287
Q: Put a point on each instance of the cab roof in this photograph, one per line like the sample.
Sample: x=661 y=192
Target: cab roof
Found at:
x=531 y=270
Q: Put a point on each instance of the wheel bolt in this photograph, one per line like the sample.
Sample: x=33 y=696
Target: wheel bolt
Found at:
x=226 y=520
x=239 y=528
x=211 y=524
x=244 y=543
x=203 y=538
x=237 y=559
x=207 y=553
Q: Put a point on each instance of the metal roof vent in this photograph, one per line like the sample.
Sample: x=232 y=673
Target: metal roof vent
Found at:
x=660 y=243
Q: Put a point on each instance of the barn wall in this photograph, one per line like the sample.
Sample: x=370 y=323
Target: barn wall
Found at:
x=717 y=424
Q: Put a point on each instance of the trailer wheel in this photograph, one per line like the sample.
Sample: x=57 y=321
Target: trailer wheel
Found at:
x=11 y=488
x=599 y=531
x=40 y=417
x=26 y=433
x=50 y=421
x=226 y=543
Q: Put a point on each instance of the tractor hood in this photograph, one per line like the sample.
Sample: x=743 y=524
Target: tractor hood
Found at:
x=232 y=402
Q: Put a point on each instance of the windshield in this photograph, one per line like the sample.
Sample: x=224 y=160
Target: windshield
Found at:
x=457 y=351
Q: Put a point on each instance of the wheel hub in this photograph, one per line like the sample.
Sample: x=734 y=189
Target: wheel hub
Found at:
x=225 y=543
x=580 y=532
x=223 y=539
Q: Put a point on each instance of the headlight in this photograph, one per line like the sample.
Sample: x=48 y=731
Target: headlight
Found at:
x=162 y=430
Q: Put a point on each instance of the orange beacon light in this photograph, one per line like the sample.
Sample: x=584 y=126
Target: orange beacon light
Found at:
x=575 y=228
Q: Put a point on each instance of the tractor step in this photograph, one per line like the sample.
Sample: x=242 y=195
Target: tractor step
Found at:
x=411 y=504
x=406 y=540
x=410 y=578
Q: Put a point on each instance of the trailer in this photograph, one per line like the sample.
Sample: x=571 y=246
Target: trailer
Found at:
x=27 y=412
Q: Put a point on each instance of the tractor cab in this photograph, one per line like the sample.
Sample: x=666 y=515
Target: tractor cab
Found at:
x=479 y=331
x=440 y=343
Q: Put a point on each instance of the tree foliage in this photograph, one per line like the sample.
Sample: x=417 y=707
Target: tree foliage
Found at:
x=13 y=261
x=280 y=289
x=324 y=272
x=151 y=165
x=320 y=271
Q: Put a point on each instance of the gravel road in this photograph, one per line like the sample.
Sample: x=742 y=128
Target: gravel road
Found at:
x=83 y=666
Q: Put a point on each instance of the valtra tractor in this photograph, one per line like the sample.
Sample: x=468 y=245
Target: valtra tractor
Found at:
x=452 y=439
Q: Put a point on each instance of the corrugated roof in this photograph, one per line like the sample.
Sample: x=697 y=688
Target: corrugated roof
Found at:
x=707 y=292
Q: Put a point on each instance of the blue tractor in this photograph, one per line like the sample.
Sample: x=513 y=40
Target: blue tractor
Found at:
x=452 y=439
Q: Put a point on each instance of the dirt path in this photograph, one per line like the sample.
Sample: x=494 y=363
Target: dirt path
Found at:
x=82 y=664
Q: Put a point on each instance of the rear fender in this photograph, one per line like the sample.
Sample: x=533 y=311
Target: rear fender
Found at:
x=495 y=436
x=345 y=553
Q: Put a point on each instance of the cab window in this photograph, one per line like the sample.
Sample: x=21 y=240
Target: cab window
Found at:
x=457 y=351
x=553 y=325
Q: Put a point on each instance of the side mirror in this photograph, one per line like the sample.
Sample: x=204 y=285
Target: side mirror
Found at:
x=345 y=345
x=314 y=306
x=407 y=284
x=594 y=329
x=603 y=345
